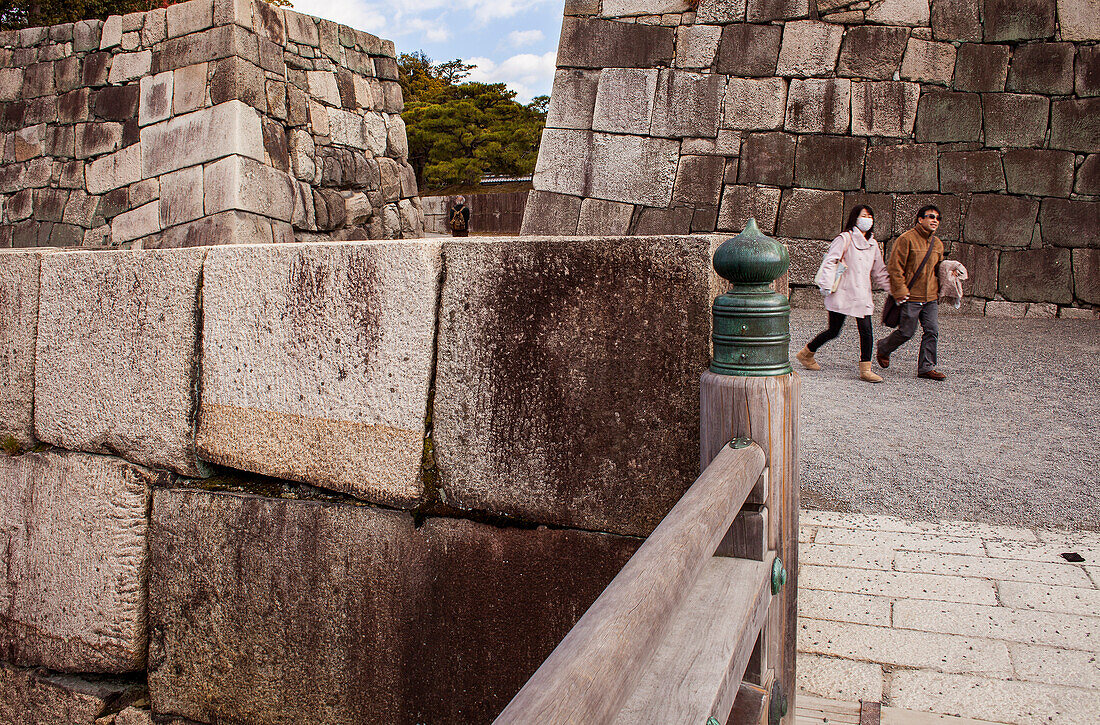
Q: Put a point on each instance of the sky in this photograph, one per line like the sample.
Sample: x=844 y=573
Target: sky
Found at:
x=511 y=41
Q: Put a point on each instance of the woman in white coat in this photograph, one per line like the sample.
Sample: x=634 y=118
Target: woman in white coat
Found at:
x=856 y=256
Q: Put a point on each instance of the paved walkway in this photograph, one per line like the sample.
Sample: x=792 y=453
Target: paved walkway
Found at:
x=957 y=618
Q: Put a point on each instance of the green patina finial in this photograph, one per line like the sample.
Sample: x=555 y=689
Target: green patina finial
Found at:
x=751 y=322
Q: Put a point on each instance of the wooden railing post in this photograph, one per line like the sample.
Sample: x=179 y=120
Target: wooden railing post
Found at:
x=751 y=391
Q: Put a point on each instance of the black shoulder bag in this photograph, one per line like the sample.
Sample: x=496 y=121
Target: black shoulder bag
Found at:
x=891 y=310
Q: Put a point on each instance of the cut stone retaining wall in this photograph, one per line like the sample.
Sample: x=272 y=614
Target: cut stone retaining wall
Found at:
x=670 y=117
x=209 y=122
x=426 y=459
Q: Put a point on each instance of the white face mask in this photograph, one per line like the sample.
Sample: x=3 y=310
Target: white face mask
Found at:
x=864 y=223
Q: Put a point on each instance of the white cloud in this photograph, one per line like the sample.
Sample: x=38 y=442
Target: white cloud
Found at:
x=486 y=10
x=355 y=13
x=524 y=38
x=527 y=74
x=433 y=31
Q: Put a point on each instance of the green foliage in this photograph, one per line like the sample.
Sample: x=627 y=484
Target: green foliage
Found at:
x=11 y=446
x=16 y=14
x=459 y=132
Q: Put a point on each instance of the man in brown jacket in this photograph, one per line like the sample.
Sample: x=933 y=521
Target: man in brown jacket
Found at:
x=918 y=296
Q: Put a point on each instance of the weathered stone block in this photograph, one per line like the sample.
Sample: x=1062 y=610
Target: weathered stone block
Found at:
x=38 y=80
x=593 y=43
x=112 y=171
x=906 y=207
x=342 y=407
x=188 y=88
x=237 y=79
x=698 y=181
x=806 y=256
x=1088 y=176
x=956 y=20
x=76 y=568
x=1086 y=275
x=899 y=12
x=19 y=289
x=809 y=48
x=155 y=102
x=928 y=62
x=564 y=160
x=155 y=29
x=535 y=294
x=237 y=182
x=754 y=103
x=1070 y=223
x=190 y=17
x=573 y=98
x=94 y=323
x=604 y=217
x=94 y=72
x=720 y=12
x=224 y=41
x=86 y=35
x=969 y=171
x=1005 y=309
x=811 y=214
x=829 y=162
x=686 y=104
x=34 y=697
x=767 y=158
x=872 y=51
x=944 y=116
x=49 y=204
x=1002 y=221
x=116 y=103
x=1042 y=68
x=1075 y=124
x=819 y=105
x=633 y=169
x=884 y=108
x=1012 y=119
x=1078 y=19
x=624 y=100
x=1036 y=275
x=1087 y=75
x=1039 y=172
x=447 y=591
x=741 y=203
x=906 y=167
x=136 y=223
x=302 y=29
x=981 y=266
x=696 y=45
x=550 y=213
x=1018 y=20
x=128 y=66
x=11 y=84
x=882 y=207
x=749 y=50
x=662 y=222
x=228 y=128
x=760 y=11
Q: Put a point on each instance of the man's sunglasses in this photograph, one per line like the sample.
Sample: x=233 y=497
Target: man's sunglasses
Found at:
x=931 y=216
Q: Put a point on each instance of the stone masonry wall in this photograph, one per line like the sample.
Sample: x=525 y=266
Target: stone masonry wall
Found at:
x=330 y=482
x=674 y=116
x=209 y=122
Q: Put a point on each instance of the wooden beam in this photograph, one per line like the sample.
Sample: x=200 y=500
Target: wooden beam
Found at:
x=751 y=706
x=747 y=537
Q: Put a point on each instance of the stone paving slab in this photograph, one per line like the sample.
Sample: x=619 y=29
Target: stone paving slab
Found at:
x=840 y=679
x=844 y=607
x=1055 y=665
x=997 y=622
x=897 y=584
x=987 y=568
x=1024 y=595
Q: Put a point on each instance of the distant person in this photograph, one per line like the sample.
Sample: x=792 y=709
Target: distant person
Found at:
x=460 y=218
x=915 y=286
x=852 y=264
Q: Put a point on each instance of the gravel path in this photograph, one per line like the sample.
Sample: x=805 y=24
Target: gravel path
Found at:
x=1011 y=437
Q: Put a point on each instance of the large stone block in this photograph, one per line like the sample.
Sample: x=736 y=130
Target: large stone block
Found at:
x=238 y=182
x=633 y=169
x=1002 y=221
x=624 y=100
x=604 y=217
x=533 y=328
x=116 y=103
x=1018 y=20
x=18 y=326
x=225 y=41
x=981 y=267
x=872 y=51
x=1039 y=172
x=316 y=362
x=551 y=213
x=593 y=43
x=899 y=12
x=818 y=105
x=564 y=165
x=1042 y=68
x=365 y=617
x=1075 y=124
x=906 y=167
x=829 y=162
x=956 y=20
x=181 y=196
x=200 y=136
x=1086 y=275
x=926 y=61
x=696 y=46
x=1088 y=176
x=1012 y=119
x=34 y=697
x=767 y=158
x=882 y=207
x=1036 y=275
x=74 y=594
x=749 y=50
x=760 y=11
x=963 y=172
x=104 y=317
x=884 y=108
x=129 y=66
x=741 y=203
x=190 y=17
x=1087 y=73
x=720 y=12
x=806 y=256
x=944 y=116
x=809 y=48
x=687 y=104
x=1070 y=223
x=573 y=98
x=811 y=214
x=1079 y=19
x=649 y=221
x=136 y=223
x=698 y=182
x=754 y=103
x=155 y=102
x=626 y=8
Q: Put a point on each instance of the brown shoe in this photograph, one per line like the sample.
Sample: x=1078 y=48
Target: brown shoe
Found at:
x=932 y=375
x=806 y=357
x=882 y=360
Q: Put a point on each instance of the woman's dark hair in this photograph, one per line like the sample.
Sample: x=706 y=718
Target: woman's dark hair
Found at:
x=925 y=209
x=856 y=211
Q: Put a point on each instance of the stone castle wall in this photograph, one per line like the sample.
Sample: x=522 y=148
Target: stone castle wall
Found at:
x=209 y=122
x=353 y=482
x=672 y=116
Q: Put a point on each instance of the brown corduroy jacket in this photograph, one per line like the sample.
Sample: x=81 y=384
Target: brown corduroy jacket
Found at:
x=905 y=256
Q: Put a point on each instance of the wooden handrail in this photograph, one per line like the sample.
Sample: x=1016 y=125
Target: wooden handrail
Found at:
x=588 y=677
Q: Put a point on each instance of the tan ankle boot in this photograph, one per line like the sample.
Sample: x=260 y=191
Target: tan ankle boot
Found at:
x=866 y=374
x=806 y=357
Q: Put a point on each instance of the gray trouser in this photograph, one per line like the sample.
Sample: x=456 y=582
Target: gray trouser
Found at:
x=928 y=314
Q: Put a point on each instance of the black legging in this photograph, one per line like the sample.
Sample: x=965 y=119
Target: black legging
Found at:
x=836 y=320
